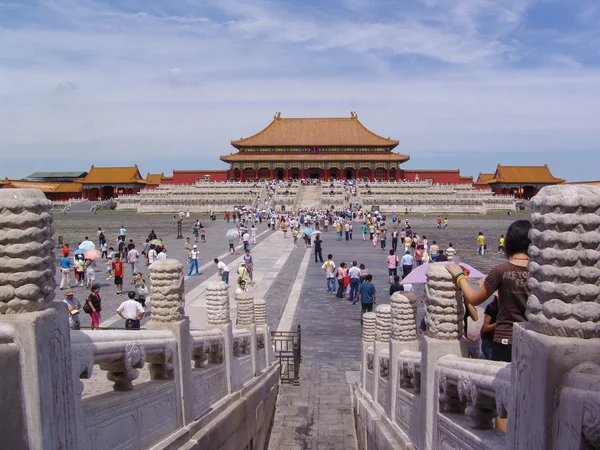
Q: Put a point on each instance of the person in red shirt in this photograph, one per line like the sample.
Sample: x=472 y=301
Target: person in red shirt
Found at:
x=65 y=250
x=117 y=268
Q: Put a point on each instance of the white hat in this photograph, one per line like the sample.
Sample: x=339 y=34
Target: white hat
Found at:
x=195 y=246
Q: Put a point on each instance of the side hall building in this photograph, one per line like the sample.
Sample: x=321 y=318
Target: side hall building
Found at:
x=322 y=148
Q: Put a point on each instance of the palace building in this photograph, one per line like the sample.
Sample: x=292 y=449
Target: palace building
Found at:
x=323 y=148
x=521 y=181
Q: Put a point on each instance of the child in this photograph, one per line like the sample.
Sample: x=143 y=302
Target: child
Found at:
x=79 y=270
x=90 y=276
x=202 y=234
x=117 y=268
x=109 y=260
x=104 y=249
x=374 y=242
x=501 y=244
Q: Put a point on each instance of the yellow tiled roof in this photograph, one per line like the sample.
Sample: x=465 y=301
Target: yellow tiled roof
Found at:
x=306 y=132
x=45 y=186
x=154 y=178
x=113 y=175
x=524 y=174
x=484 y=177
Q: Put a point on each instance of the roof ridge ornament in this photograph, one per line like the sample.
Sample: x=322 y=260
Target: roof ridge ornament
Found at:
x=277 y=115
x=353 y=115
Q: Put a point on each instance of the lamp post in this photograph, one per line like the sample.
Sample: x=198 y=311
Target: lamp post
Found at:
x=179 y=233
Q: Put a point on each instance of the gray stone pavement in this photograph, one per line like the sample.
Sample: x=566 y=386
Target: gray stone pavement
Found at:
x=75 y=226
x=317 y=414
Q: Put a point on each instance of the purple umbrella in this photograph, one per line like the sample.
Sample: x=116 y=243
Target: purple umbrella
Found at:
x=419 y=275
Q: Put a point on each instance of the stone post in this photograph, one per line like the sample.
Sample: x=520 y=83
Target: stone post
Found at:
x=368 y=337
x=263 y=333
x=383 y=318
x=218 y=316
x=563 y=310
x=168 y=313
x=444 y=314
x=403 y=337
x=245 y=319
x=36 y=384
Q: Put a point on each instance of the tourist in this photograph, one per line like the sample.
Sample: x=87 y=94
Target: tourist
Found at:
x=122 y=248
x=295 y=236
x=472 y=331
x=141 y=290
x=152 y=254
x=253 y=234
x=340 y=274
x=93 y=306
x=425 y=243
x=433 y=251
x=73 y=307
x=196 y=232
x=439 y=221
x=103 y=250
x=90 y=275
x=162 y=253
x=371 y=231
x=202 y=234
x=364 y=230
x=131 y=311
x=151 y=235
x=318 y=248
x=392 y=263
x=375 y=241
x=66 y=266
x=450 y=252
x=122 y=232
x=363 y=272
x=132 y=258
x=396 y=286
x=117 y=269
x=338 y=229
x=394 y=238
x=489 y=326
x=501 y=244
x=242 y=288
x=65 y=250
x=246 y=240
x=188 y=249
x=383 y=238
x=193 y=256
x=249 y=265
x=79 y=270
x=243 y=273
x=354 y=280
x=480 y=244
x=367 y=294
x=231 y=242
x=347 y=231
x=329 y=268
x=510 y=280
x=441 y=257
x=407 y=264
x=419 y=255
x=407 y=241
x=425 y=257
x=222 y=270
x=350 y=230
x=445 y=223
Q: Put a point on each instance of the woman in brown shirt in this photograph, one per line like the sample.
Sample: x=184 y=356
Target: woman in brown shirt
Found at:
x=510 y=280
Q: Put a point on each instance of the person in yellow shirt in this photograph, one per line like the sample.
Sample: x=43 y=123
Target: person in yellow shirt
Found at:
x=501 y=244
x=480 y=244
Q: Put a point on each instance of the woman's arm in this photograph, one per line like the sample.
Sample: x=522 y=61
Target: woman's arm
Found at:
x=472 y=311
x=472 y=296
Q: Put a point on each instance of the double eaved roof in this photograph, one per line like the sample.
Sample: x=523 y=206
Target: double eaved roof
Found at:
x=520 y=175
x=319 y=132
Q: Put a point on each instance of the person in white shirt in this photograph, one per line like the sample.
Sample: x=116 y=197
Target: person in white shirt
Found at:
x=246 y=240
x=253 y=231
x=450 y=252
x=132 y=312
x=74 y=307
x=354 y=274
x=193 y=260
x=329 y=268
x=407 y=264
x=132 y=258
x=161 y=255
x=222 y=270
x=152 y=255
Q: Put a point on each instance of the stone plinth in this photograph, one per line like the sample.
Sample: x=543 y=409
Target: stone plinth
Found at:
x=260 y=312
x=245 y=309
x=403 y=320
x=217 y=303
x=383 y=323
x=564 y=270
x=444 y=305
x=167 y=300
x=26 y=251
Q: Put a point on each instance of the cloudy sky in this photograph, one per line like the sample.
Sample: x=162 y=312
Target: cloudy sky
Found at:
x=168 y=84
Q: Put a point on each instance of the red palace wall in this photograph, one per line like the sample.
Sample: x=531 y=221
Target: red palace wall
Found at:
x=191 y=176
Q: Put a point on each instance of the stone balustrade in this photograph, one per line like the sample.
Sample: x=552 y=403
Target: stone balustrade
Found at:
x=165 y=387
x=425 y=393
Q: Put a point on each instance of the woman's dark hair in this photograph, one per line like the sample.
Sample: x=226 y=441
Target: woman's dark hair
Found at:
x=392 y=252
x=95 y=287
x=517 y=237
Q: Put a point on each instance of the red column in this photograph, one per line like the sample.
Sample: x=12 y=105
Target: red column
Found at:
x=287 y=174
x=387 y=174
x=241 y=174
x=372 y=174
x=325 y=174
x=302 y=173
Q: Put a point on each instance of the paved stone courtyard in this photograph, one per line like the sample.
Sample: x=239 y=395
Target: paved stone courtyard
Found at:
x=316 y=414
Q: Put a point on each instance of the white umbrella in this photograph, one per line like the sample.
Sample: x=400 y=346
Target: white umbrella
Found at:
x=87 y=245
x=232 y=233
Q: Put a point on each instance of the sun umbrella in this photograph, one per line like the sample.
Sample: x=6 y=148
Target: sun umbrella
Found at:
x=232 y=233
x=308 y=231
x=79 y=251
x=92 y=254
x=419 y=275
x=316 y=232
x=87 y=245
x=156 y=242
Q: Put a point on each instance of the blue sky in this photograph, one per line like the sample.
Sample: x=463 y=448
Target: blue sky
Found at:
x=167 y=84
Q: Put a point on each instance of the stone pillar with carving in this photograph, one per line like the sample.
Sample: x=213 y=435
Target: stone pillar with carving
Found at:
x=403 y=336
x=245 y=319
x=563 y=331
x=36 y=383
x=381 y=347
x=218 y=315
x=168 y=313
x=444 y=314
x=368 y=338
x=263 y=334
